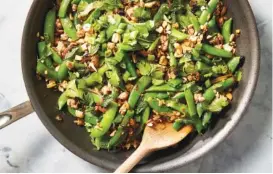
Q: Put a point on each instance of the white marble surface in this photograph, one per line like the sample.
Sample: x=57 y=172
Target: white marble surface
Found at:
x=26 y=146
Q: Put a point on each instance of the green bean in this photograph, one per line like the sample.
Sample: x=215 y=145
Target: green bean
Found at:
x=130 y=66
x=105 y=124
x=162 y=88
x=179 y=95
x=153 y=45
x=63 y=8
x=209 y=95
x=62 y=100
x=154 y=104
x=177 y=106
x=206 y=13
x=138 y=89
x=69 y=28
x=233 y=64
x=43 y=70
x=63 y=71
x=226 y=30
x=179 y=36
x=49 y=26
x=216 y=51
x=158 y=17
x=93 y=16
x=116 y=139
x=190 y=102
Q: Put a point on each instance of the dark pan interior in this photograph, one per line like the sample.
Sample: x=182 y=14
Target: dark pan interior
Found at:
x=78 y=141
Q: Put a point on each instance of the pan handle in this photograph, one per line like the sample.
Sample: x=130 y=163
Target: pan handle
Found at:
x=15 y=113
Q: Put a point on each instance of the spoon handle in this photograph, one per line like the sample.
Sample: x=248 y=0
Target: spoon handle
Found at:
x=133 y=160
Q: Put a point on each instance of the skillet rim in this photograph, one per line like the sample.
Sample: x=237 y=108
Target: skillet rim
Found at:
x=216 y=140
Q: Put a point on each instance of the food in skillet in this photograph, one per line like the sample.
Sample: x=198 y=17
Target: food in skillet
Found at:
x=121 y=65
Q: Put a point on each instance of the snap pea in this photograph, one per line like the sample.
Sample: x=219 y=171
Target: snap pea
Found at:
x=93 y=79
x=62 y=100
x=56 y=57
x=178 y=124
x=206 y=13
x=226 y=84
x=144 y=119
x=154 y=104
x=49 y=26
x=212 y=26
x=179 y=95
x=194 y=21
x=116 y=139
x=202 y=67
x=173 y=61
x=156 y=95
x=200 y=109
x=209 y=95
x=206 y=118
x=179 y=36
x=75 y=2
x=90 y=118
x=43 y=70
x=177 y=106
x=216 y=51
x=226 y=30
x=63 y=8
x=105 y=124
x=130 y=66
x=190 y=102
x=162 y=88
x=63 y=71
x=233 y=64
x=158 y=17
x=42 y=49
x=69 y=28
x=93 y=16
x=153 y=45
x=138 y=89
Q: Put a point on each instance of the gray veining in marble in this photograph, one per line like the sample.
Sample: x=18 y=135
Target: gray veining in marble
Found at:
x=25 y=148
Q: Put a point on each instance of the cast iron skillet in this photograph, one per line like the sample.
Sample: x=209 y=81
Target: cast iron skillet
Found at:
x=77 y=140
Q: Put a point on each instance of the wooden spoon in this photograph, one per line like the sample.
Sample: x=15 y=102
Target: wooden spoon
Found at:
x=154 y=138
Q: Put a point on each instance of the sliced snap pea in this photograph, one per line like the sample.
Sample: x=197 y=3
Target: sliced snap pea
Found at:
x=178 y=124
x=116 y=139
x=190 y=102
x=105 y=124
x=162 y=88
x=138 y=89
x=158 y=17
x=130 y=66
x=177 y=106
x=144 y=119
x=43 y=70
x=179 y=95
x=154 y=104
x=56 y=57
x=209 y=95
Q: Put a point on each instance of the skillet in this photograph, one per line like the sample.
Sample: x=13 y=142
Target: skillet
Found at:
x=74 y=138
